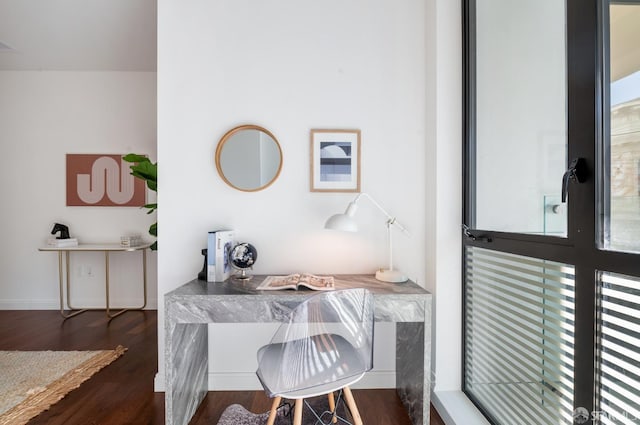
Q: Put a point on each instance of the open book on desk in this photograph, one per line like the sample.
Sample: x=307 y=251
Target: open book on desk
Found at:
x=297 y=280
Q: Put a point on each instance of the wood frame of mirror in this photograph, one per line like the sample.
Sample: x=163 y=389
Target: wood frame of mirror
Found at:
x=227 y=136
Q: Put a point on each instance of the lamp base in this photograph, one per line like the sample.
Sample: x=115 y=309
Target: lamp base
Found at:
x=394 y=276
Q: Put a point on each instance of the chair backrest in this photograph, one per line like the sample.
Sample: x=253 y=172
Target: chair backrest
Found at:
x=328 y=337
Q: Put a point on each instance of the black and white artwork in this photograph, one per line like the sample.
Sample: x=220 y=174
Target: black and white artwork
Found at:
x=335 y=162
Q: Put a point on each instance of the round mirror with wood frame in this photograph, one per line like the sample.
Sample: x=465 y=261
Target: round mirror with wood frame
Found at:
x=249 y=158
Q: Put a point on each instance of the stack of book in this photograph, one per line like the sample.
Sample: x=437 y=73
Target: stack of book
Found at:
x=62 y=243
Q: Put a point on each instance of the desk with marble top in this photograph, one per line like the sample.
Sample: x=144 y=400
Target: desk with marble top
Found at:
x=191 y=307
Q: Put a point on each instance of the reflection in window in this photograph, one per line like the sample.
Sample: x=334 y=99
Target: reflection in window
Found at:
x=622 y=217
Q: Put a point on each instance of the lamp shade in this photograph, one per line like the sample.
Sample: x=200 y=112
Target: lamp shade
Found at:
x=341 y=222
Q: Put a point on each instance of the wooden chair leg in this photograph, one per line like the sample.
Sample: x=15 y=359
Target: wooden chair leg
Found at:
x=332 y=407
x=297 y=412
x=274 y=410
x=348 y=397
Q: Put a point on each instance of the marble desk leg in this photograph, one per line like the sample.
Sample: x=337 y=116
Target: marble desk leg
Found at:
x=186 y=372
x=413 y=370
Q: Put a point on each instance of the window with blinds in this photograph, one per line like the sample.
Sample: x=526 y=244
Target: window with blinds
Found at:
x=617 y=349
x=519 y=337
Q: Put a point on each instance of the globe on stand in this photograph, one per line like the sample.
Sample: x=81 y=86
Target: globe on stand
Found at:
x=242 y=257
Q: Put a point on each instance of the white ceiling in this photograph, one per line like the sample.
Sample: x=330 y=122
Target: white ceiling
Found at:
x=81 y=35
x=120 y=35
x=625 y=33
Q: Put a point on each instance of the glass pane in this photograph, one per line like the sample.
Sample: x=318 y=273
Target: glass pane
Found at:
x=622 y=190
x=520 y=116
x=519 y=337
x=618 y=356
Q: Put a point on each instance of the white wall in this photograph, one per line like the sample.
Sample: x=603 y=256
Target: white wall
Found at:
x=43 y=116
x=332 y=64
x=444 y=188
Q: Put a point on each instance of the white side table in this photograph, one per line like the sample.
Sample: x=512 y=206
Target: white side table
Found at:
x=106 y=248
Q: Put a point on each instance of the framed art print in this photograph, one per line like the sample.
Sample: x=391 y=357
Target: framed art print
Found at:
x=102 y=181
x=335 y=160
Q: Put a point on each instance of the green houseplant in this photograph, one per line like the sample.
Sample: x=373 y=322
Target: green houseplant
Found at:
x=144 y=169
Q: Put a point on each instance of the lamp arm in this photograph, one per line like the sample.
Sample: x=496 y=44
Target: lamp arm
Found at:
x=390 y=219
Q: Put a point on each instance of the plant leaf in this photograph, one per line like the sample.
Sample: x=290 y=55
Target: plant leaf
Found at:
x=134 y=157
x=142 y=168
x=145 y=170
x=153 y=229
x=150 y=207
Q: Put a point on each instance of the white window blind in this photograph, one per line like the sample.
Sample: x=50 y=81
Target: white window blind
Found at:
x=519 y=328
x=618 y=353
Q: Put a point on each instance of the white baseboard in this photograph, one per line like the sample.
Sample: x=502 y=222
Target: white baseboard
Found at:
x=247 y=381
x=158 y=383
x=29 y=305
x=54 y=304
x=456 y=409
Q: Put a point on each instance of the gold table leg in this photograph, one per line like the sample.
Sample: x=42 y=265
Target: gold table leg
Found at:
x=73 y=311
x=144 y=284
x=64 y=266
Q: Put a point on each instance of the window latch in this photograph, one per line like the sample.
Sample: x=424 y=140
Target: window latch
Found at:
x=481 y=238
x=577 y=172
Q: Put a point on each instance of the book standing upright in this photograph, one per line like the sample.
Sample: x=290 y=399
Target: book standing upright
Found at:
x=219 y=244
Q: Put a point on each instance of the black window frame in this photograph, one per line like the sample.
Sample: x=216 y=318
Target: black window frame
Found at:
x=587 y=126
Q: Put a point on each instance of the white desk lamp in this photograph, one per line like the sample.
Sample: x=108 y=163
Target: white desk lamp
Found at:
x=347 y=223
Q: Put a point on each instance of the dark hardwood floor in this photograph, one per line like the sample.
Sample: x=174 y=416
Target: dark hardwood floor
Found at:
x=122 y=393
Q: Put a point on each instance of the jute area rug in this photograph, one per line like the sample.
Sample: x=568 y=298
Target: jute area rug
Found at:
x=31 y=381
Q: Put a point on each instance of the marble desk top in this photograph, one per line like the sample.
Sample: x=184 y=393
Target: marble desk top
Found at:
x=237 y=300
x=233 y=286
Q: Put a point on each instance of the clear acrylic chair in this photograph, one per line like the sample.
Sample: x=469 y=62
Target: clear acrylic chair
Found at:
x=326 y=346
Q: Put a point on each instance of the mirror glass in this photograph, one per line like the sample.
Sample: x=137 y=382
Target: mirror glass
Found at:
x=248 y=158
